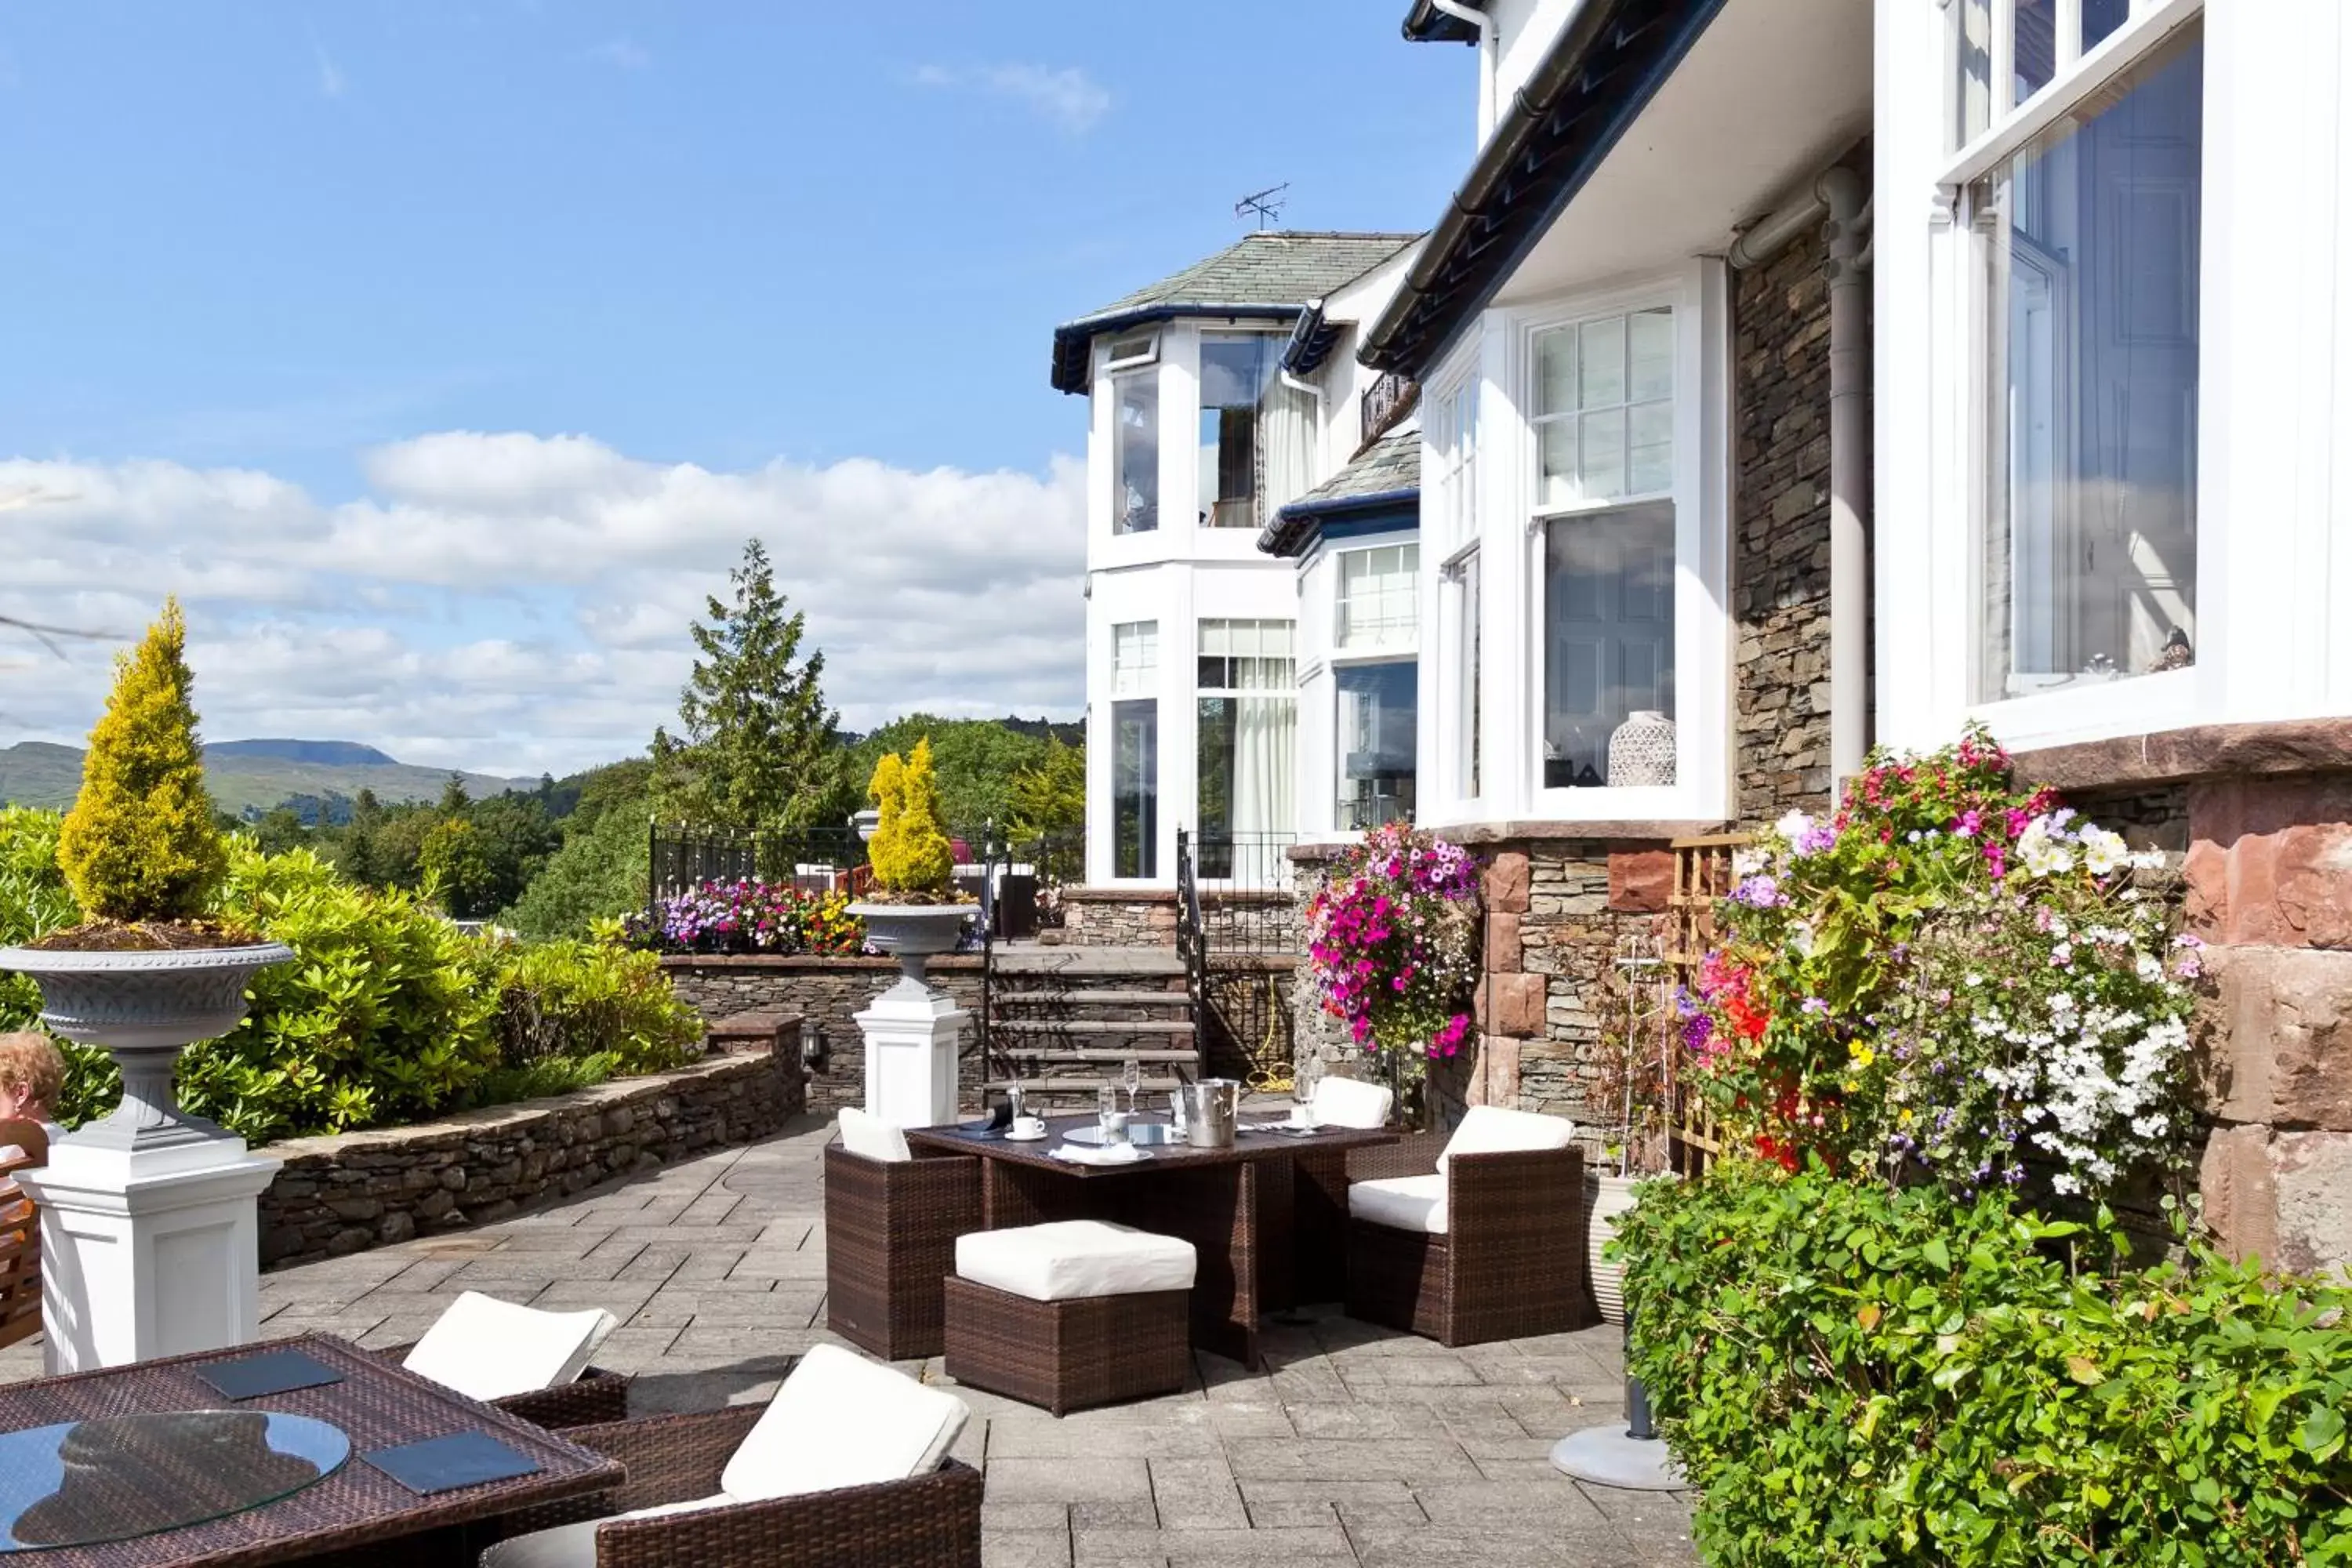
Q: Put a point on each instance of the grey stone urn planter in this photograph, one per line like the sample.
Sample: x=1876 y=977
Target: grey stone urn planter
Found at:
x=914 y=934
x=142 y=1009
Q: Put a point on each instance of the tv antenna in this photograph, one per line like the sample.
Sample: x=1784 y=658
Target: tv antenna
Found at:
x=1266 y=204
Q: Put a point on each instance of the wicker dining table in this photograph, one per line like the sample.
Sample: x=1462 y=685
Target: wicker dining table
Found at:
x=357 y=1514
x=1266 y=1217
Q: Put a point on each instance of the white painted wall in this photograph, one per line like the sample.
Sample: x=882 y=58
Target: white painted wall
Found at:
x=2274 y=444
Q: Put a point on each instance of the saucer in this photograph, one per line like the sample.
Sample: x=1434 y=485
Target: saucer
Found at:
x=1037 y=1137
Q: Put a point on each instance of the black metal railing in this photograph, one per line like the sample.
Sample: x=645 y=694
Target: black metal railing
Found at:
x=681 y=858
x=1191 y=941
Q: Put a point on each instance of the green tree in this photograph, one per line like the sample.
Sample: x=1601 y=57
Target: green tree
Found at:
x=455 y=863
x=1049 y=800
x=141 y=843
x=516 y=839
x=353 y=847
x=280 y=828
x=977 y=759
x=756 y=734
x=454 y=801
x=600 y=872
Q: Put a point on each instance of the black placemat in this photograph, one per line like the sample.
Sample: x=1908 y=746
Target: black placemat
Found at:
x=445 y=1464
x=271 y=1371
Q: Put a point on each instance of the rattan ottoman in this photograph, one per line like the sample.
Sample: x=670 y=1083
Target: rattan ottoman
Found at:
x=1070 y=1315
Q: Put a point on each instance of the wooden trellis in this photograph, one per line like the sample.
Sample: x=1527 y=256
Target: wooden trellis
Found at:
x=1703 y=879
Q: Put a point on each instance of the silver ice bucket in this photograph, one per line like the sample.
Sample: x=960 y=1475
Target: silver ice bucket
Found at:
x=1210 y=1108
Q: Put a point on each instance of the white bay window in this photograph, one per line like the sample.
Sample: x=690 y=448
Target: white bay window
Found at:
x=1376 y=679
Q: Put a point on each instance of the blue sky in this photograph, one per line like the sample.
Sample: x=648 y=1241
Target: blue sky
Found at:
x=260 y=251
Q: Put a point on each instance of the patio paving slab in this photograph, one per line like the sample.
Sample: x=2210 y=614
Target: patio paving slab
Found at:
x=1355 y=1446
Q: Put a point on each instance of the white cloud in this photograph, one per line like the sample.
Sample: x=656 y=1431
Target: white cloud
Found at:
x=1067 y=97
x=514 y=602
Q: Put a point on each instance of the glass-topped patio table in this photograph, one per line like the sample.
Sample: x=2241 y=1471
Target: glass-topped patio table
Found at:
x=155 y=1464
x=1266 y=1217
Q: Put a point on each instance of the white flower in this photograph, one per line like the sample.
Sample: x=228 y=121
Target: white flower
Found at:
x=2149 y=967
x=1793 y=827
x=2104 y=851
x=1802 y=937
x=1747 y=863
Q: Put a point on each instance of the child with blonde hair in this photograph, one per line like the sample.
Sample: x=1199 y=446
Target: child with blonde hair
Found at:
x=32 y=1076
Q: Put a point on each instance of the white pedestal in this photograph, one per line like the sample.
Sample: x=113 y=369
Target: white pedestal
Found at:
x=912 y=1034
x=148 y=1252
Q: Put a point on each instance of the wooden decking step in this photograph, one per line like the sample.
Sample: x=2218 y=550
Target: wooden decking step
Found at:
x=1091 y=1025
x=1094 y=998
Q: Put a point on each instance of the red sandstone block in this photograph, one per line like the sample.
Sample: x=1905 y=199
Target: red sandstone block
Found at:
x=1515 y=1004
x=2241 y=1203
x=2279 y=1037
x=1503 y=944
x=1506 y=881
x=1640 y=881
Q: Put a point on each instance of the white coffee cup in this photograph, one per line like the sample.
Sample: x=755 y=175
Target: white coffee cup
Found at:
x=1029 y=1127
x=1302 y=1116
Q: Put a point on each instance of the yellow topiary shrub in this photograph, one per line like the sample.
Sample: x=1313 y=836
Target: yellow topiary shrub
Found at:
x=911 y=852
x=140 y=843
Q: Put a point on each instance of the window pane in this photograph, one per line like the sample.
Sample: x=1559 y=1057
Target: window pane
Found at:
x=1650 y=442
x=1377 y=597
x=1601 y=449
x=1653 y=344
x=1135 y=478
x=1134 y=656
x=1376 y=732
x=1555 y=373
x=2101 y=17
x=1601 y=348
x=1247 y=768
x=1135 y=788
x=1255 y=435
x=2090 y=237
x=2035 y=54
x=1609 y=634
x=1972 y=63
x=1560 y=468
x=1471 y=610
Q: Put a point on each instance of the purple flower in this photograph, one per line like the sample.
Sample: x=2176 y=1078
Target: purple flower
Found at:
x=1759 y=892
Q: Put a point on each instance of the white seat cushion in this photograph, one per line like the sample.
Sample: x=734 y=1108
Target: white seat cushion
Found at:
x=873 y=1138
x=1401 y=1202
x=843 y=1421
x=1352 y=1103
x=487 y=1349
x=838 y=1421
x=1491 y=1130
x=575 y=1545
x=1075 y=1257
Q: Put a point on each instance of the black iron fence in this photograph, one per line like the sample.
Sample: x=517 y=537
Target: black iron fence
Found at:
x=1247 y=890
x=1237 y=932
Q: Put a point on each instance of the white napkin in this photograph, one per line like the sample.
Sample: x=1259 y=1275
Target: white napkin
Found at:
x=1082 y=1154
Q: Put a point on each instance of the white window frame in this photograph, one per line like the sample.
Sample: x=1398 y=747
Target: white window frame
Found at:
x=1403 y=650
x=1140 y=677
x=1406 y=646
x=1698 y=295
x=1132 y=350
x=1451 y=410
x=1962 y=354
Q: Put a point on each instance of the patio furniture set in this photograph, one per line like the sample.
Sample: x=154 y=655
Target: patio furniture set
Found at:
x=1054 y=1279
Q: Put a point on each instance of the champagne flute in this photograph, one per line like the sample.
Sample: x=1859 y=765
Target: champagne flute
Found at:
x=1131 y=1077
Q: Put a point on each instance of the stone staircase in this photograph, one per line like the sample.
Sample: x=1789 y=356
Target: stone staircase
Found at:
x=1064 y=1021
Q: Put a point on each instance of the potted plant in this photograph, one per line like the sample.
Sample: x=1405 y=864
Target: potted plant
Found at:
x=1632 y=1086
x=915 y=910
x=147 y=973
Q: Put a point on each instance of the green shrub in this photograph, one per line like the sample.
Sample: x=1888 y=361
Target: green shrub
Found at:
x=909 y=851
x=1856 y=1375
x=140 y=843
x=579 y=999
x=599 y=873
x=387 y=1013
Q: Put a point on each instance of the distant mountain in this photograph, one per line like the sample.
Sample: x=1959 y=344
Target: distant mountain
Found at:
x=37 y=772
x=327 y=753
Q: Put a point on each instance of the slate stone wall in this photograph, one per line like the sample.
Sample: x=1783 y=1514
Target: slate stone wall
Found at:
x=1781 y=548
x=354 y=1190
x=828 y=994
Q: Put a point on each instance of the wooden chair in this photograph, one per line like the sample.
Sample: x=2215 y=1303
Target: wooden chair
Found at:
x=20 y=1235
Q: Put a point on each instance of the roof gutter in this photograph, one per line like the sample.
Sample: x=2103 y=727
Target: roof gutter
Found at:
x=1071 y=338
x=1472 y=249
x=1296 y=523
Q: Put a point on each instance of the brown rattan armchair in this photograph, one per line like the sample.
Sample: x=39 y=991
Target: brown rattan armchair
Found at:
x=20 y=1234
x=890 y=1227
x=1509 y=1263
x=927 y=1521
x=596 y=1395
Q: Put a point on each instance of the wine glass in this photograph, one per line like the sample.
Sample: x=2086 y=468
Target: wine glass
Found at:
x=1310 y=1078
x=1131 y=1077
x=1109 y=1129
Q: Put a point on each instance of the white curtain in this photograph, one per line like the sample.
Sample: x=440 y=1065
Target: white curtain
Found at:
x=1286 y=433
x=1266 y=791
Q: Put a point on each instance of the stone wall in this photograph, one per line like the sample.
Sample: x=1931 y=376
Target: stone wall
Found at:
x=1114 y=917
x=1781 y=555
x=354 y=1190
x=2269 y=873
x=827 y=993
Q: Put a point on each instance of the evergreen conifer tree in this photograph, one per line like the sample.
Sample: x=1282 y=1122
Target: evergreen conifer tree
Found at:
x=141 y=843
x=756 y=734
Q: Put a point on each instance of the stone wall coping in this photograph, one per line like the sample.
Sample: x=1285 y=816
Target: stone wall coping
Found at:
x=463 y=1124
x=2194 y=751
x=949 y=963
x=1209 y=896
x=1474 y=834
